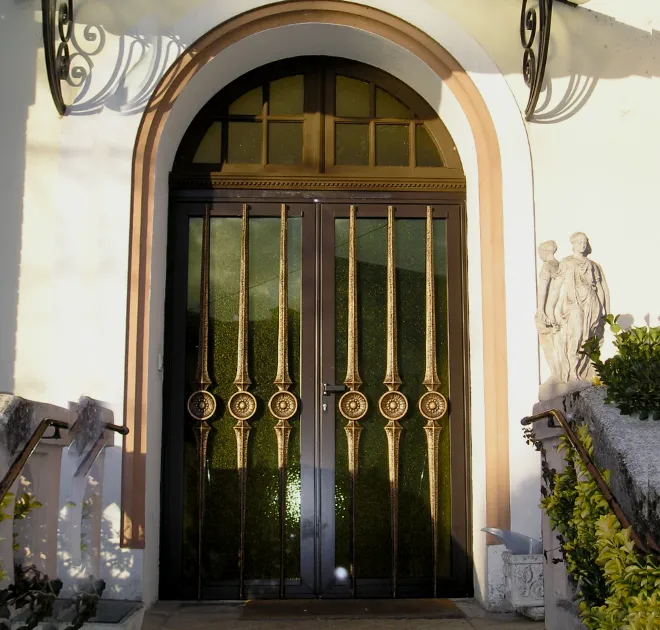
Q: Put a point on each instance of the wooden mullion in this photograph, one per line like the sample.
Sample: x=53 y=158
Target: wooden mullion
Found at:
x=412 y=142
x=264 y=125
x=372 y=143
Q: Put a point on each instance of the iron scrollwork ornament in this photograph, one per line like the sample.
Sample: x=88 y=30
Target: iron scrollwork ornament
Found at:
x=532 y=20
x=57 y=24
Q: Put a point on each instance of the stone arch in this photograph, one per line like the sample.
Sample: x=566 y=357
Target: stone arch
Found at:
x=141 y=372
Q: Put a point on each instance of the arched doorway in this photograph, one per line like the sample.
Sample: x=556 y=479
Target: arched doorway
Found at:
x=317 y=140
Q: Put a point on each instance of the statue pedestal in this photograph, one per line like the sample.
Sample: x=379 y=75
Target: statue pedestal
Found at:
x=550 y=389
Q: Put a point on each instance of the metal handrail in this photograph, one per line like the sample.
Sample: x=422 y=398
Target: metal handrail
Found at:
x=27 y=450
x=17 y=465
x=651 y=545
x=89 y=459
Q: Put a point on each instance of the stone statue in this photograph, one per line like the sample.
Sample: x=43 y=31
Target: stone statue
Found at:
x=548 y=330
x=576 y=303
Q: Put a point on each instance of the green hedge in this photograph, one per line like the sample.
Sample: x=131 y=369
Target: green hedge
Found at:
x=618 y=586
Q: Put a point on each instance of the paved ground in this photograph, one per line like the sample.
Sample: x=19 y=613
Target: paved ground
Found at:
x=174 y=616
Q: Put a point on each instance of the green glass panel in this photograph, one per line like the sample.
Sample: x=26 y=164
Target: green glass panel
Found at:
x=389 y=107
x=244 y=143
x=222 y=525
x=426 y=149
x=209 y=150
x=392 y=142
x=287 y=96
x=351 y=144
x=373 y=556
x=285 y=142
x=248 y=104
x=352 y=98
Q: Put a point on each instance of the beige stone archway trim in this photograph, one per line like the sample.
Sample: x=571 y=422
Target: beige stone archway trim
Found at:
x=149 y=135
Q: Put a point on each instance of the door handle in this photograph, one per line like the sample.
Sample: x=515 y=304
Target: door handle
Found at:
x=329 y=390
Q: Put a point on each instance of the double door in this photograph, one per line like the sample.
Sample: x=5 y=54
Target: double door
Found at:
x=318 y=459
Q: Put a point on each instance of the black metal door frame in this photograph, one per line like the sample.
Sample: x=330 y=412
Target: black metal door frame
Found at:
x=317 y=458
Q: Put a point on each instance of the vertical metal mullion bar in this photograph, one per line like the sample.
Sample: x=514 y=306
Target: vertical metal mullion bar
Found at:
x=201 y=403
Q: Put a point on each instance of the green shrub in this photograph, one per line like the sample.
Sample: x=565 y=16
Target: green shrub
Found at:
x=632 y=376
x=619 y=588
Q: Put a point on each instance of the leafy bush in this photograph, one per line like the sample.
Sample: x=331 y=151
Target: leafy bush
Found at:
x=619 y=587
x=632 y=376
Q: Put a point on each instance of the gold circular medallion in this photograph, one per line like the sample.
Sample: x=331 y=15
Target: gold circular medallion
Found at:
x=433 y=405
x=353 y=405
x=201 y=405
x=242 y=405
x=393 y=405
x=283 y=405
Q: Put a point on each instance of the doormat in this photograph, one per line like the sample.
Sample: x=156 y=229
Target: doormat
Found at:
x=351 y=609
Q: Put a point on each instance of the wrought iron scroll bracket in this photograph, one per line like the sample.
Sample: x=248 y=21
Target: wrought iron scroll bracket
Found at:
x=57 y=25
x=536 y=20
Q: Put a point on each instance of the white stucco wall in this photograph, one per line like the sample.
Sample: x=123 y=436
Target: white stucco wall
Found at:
x=66 y=187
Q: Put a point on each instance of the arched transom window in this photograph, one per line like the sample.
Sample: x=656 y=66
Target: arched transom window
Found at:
x=318 y=116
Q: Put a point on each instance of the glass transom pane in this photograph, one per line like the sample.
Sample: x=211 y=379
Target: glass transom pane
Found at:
x=244 y=143
x=425 y=148
x=352 y=144
x=352 y=98
x=388 y=107
x=249 y=104
x=285 y=141
x=287 y=96
x=209 y=150
x=392 y=143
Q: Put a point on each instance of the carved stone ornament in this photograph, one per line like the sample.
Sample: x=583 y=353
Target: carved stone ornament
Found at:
x=523 y=583
x=572 y=302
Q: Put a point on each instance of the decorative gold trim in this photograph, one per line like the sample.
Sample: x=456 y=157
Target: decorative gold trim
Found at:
x=242 y=380
x=432 y=430
x=432 y=404
x=393 y=429
x=353 y=405
x=201 y=403
x=393 y=405
x=242 y=430
x=315 y=183
x=283 y=404
x=392 y=378
x=242 y=405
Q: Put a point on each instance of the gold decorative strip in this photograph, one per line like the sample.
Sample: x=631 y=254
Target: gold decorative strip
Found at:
x=448 y=184
x=432 y=404
x=393 y=404
x=283 y=404
x=202 y=403
x=353 y=404
x=242 y=405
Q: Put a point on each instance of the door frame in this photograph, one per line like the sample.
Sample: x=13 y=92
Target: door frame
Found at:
x=461 y=583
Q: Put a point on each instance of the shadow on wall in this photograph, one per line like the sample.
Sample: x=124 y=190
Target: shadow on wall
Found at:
x=585 y=47
x=20 y=34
